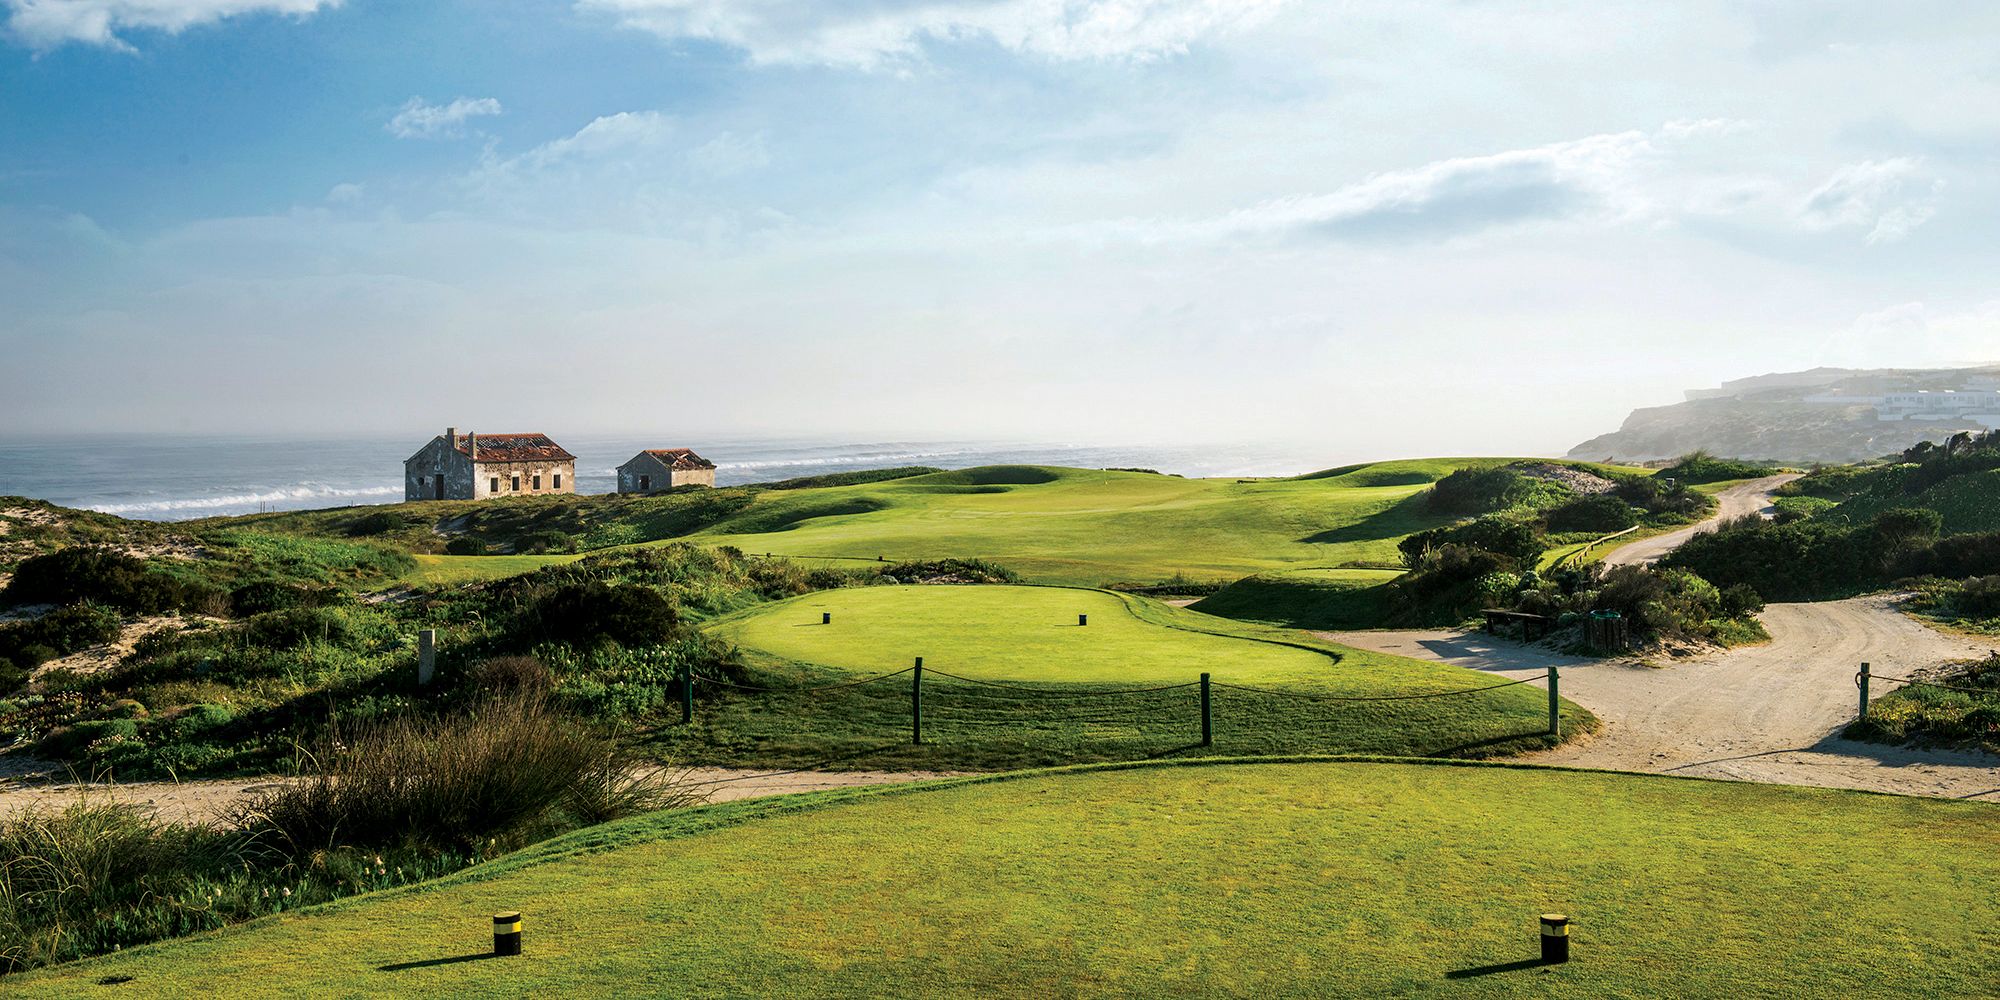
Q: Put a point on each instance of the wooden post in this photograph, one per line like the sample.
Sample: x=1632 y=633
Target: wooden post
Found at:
x=1555 y=703
x=687 y=695
x=1207 y=734
x=427 y=656
x=917 y=703
x=1861 y=681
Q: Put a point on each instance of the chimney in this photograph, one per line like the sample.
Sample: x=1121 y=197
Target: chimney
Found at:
x=472 y=444
x=451 y=436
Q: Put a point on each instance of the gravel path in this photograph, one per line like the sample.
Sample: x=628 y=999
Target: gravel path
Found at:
x=1765 y=713
x=1753 y=497
x=213 y=801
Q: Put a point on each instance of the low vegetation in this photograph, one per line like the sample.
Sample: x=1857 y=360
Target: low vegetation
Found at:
x=1701 y=467
x=387 y=804
x=1220 y=879
x=1956 y=705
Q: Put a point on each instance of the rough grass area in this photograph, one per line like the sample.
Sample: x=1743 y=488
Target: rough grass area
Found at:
x=1962 y=709
x=1229 y=879
x=1066 y=693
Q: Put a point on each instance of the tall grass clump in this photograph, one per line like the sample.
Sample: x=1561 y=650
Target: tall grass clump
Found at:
x=507 y=770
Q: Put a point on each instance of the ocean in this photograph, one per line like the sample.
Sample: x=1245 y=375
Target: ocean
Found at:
x=175 y=478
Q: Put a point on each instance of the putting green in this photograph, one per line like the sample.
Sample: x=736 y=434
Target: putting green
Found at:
x=1007 y=633
x=1208 y=879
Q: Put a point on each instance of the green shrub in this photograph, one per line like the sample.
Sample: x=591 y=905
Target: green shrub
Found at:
x=1702 y=467
x=465 y=545
x=1479 y=491
x=298 y=626
x=1513 y=539
x=377 y=523
x=101 y=575
x=1601 y=513
x=547 y=540
x=951 y=571
x=588 y=614
x=260 y=596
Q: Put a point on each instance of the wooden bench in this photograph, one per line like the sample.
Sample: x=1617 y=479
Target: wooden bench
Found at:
x=1532 y=626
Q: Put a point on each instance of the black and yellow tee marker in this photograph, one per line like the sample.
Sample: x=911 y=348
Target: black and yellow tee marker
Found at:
x=1555 y=938
x=507 y=933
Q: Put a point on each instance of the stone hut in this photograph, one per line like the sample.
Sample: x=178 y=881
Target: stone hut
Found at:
x=657 y=469
x=456 y=466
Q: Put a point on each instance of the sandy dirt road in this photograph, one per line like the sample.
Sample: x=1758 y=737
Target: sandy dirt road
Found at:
x=1765 y=713
x=1753 y=497
x=30 y=788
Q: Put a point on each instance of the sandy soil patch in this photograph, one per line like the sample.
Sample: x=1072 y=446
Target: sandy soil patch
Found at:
x=101 y=658
x=1767 y=713
x=35 y=785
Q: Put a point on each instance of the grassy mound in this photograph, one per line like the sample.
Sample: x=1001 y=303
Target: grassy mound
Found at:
x=1007 y=633
x=1306 y=878
x=1306 y=598
x=1120 y=688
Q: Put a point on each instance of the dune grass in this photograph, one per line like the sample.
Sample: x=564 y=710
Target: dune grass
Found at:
x=1222 y=879
x=1081 y=704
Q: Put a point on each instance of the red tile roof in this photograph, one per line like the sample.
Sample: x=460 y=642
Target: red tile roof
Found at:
x=680 y=458
x=514 y=448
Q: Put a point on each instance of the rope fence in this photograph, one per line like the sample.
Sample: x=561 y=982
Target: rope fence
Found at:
x=1866 y=675
x=960 y=699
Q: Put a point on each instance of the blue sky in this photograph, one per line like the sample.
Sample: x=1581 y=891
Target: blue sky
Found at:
x=1391 y=227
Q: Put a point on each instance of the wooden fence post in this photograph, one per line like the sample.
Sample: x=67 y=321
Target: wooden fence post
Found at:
x=1861 y=681
x=1207 y=736
x=427 y=656
x=1555 y=703
x=917 y=703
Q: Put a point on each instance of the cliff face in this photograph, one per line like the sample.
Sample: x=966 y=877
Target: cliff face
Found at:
x=1777 y=424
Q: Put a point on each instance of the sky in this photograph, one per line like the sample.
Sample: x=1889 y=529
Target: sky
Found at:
x=1381 y=228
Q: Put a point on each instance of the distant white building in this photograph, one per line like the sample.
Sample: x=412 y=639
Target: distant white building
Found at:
x=1980 y=406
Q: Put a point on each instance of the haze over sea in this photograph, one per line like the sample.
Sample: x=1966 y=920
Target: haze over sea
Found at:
x=176 y=478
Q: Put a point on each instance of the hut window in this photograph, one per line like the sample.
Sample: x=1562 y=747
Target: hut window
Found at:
x=514 y=483
x=645 y=482
x=494 y=485
x=538 y=482
x=558 y=480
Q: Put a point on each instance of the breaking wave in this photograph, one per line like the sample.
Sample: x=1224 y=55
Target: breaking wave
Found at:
x=289 y=495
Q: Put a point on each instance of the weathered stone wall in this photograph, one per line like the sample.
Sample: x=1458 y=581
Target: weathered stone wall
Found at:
x=437 y=459
x=505 y=474
x=661 y=476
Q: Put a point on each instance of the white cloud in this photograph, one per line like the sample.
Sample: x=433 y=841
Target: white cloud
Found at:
x=45 y=24
x=869 y=33
x=1603 y=179
x=1890 y=198
x=419 y=120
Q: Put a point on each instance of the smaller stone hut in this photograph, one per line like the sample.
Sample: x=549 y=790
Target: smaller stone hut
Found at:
x=657 y=469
